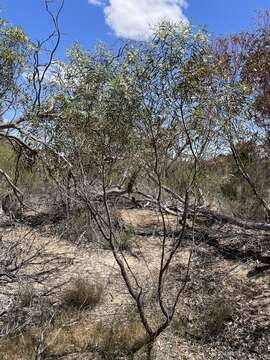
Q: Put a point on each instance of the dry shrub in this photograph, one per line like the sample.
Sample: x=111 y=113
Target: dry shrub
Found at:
x=78 y=228
x=26 y=295
x=202 y=324
x=82 y=294
x=124 y=240
x=218 y=312
x=109 y=339
x=178 y=176
x=180 y=323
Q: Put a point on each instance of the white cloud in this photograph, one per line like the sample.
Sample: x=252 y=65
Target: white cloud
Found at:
x=96 y=2
x=134 y=19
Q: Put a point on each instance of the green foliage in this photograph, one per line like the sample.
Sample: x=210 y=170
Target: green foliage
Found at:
x=30 y=176
x=7 y=163
x=242 y=200
x=13 y=52
x=153 y=106
x=7 y=157
x=179 y=176
x=114 y=107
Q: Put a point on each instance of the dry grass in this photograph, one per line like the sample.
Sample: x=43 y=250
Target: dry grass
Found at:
x=19 y=347
x=119 y=338
x=198 y=327
x=78 y=228
x=206 y=324
x=26 y=295
x=82 y=294
x=219 y=311
x=71 y=332
x=124 y=240
x=105 y=338
x=180 y=322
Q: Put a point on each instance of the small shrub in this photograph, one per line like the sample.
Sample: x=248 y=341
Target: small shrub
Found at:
x=124 y=240
x=82 y=294
x=229 y=190
x=26 y=295
x=78 y=228
x=218 y=313
x=180 y=323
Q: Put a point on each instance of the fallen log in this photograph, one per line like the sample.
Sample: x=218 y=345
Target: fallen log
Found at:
x=174 y=210
x=246 y=224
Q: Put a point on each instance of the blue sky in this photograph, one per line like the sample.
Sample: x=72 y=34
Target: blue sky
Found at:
x=88 y=21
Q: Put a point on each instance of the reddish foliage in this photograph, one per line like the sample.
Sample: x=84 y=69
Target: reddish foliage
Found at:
x=244 y=58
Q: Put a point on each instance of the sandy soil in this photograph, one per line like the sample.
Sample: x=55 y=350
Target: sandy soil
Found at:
x=144 y=261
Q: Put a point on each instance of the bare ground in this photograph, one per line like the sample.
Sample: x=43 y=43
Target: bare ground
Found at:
x=215 y=280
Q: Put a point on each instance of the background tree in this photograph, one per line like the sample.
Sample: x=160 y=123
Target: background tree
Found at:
x=242 y=78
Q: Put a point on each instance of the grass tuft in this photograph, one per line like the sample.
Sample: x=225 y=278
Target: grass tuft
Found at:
x=82 y=294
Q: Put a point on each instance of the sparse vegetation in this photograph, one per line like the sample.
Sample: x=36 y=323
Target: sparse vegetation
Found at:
x=82 y=294
x=26 y=295
x=78 y=228
x=124 y=240
x=119 y=338
x=135 y=196
x=218 y=313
